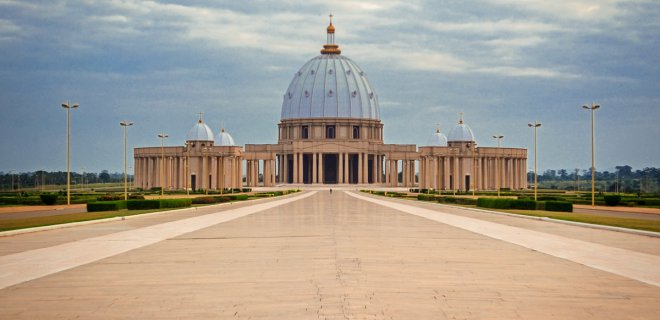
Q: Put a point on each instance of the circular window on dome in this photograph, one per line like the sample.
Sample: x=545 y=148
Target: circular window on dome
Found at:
x=306 y=94
x=371 y=95
x=330 y=93
x=330 y=71
x=348 y=72
x=354 y=93
x=289 y=94
x=362 y=73
x=312 y=72
x=299 y=73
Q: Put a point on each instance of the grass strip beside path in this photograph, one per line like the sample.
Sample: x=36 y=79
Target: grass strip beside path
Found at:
x=13 y=224
x=630 y=223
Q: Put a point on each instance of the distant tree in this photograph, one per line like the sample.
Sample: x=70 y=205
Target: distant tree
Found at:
x=104 y=176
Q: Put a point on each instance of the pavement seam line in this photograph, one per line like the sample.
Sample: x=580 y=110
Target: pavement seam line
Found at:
x=642 y=267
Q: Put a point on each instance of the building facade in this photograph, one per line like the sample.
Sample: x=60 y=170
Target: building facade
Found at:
x=330 y=132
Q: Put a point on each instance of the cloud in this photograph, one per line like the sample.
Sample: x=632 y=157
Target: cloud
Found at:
x=8 y=30
x=493 y=27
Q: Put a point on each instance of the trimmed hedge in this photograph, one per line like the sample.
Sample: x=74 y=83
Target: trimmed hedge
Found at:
x=494 y=203
x=142 y=204
x=175 y=203
x=210 y=200
x=48 y=199
x=457 y=200
x=612 y=200
x=562 y=206
x=106 y=206
x=523 y=204
x=158 y=204
x=238 y=197
x=518 y=204
x=426 y=197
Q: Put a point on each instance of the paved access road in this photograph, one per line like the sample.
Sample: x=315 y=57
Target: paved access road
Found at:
x=330 y=256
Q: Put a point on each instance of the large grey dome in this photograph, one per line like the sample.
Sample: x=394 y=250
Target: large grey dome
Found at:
x=330 y=86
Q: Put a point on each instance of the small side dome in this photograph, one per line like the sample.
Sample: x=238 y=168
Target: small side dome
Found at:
x=224 y=139
x=461 y=132
x=200 y=132
x=437 y=139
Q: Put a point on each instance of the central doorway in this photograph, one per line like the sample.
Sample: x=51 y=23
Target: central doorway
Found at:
x=330 y=168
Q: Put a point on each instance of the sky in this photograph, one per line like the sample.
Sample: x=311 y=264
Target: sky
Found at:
x=503 y=63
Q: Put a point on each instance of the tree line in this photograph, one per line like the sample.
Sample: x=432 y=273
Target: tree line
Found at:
x=623 y=179
x=36 y=179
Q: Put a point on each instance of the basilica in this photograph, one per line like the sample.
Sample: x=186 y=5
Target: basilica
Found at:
x=330 y=132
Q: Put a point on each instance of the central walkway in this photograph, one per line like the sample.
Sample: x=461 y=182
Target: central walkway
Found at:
x=328 y=256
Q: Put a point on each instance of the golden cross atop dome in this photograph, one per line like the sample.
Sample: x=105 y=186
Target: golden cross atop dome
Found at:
x=460 y=121
x=330 y=47
x=437 y=127
x=200 y=117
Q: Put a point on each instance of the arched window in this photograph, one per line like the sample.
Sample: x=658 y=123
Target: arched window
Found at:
x=330 y=132
x=304 y=132
x=356 y=132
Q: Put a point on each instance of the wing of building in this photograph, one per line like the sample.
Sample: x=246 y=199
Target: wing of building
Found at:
x=330 y=132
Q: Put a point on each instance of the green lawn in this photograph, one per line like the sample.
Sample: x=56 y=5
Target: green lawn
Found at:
x=631 y=223
x=13 y=224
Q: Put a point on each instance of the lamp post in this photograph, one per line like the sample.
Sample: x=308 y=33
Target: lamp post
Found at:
x=593 y=108
x=162 y=137
x=125 y=124
x=473 y=182
x=535 y=125
x=497 y=162
x=68 y=108
x=82 y=179
x=187 y=159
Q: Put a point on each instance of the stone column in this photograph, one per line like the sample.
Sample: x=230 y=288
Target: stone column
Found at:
x=295 y=168
x=346 y=168
x=365 y=168
x=314 y=180
x=359 y=168
x=321 y=180
x=387 y=171
x=300 y=167
x=340 y=169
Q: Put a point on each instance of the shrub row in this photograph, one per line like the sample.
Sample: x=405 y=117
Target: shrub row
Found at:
x=106 y=206
x=612 y=200
x=561 y=206
x=49 y=199
x=119 y=196
x=158 y=204
x=211 y=200
x=457 y=200
x=525 y=204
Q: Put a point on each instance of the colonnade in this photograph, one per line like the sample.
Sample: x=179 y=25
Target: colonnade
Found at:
x=252 y=172
x=438 y=172
x=188 y=172
x=350 y=167
x=392 y=172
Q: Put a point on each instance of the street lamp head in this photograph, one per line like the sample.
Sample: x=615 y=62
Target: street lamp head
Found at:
x=162 y=135
x=592 y=107
x=68 y=106
x=126 y=123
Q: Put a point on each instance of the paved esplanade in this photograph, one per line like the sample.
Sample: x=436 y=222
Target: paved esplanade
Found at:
x=339 y=256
